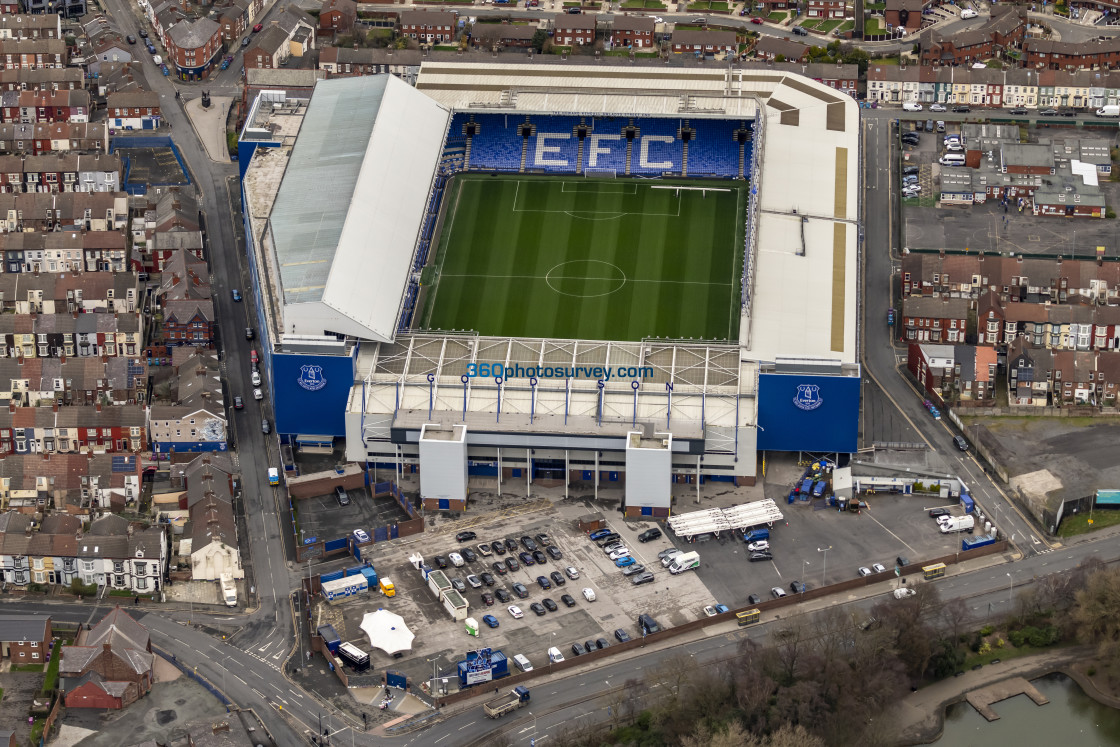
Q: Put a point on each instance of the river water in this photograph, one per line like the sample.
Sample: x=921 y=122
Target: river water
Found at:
x=1070 y=719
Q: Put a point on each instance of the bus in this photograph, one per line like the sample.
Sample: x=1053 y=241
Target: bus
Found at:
x=273 y=476
x=353 y=656
x=931 y=572
x=747 y=617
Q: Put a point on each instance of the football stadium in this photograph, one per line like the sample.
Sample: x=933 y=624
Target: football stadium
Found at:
x=605 y=275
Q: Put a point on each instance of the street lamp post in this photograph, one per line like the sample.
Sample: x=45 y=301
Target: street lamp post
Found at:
x=1010 y=588
x=550 y=639
x=803 y=576
x=824 y=572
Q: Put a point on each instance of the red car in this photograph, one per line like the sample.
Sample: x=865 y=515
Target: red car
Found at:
x=757 y=20
x=258 y=27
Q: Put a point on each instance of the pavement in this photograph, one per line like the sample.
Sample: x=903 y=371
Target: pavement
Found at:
x=209 y=125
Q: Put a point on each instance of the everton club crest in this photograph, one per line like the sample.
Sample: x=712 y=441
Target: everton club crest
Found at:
x=808 y=397
x=311 y=378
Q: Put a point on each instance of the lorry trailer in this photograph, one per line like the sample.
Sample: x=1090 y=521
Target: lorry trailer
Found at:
x=508 y=703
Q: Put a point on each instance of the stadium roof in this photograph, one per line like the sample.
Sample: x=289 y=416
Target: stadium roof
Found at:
x=364 y=142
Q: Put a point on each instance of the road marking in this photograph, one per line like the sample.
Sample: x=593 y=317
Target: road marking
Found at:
x=259 y=693
x=243 y=682
x=464 y=726
x=274 y=687
x=293 y=692
x=445 y=736
x=911 y=549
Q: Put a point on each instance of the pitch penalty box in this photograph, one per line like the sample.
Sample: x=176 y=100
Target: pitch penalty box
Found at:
x=516 y=371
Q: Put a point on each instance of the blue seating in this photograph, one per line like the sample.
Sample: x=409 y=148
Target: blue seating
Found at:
x=609 y=142
x=497 y=145
x=714 y=149
x=661 y=157
x=562 y=154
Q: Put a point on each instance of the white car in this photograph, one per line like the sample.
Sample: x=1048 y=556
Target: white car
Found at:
x=157 y=59
x=911 y=106
x=474 y=581
x=878 y=567
x=778 y=592
x=710 y=611
x=555 y=656
x=571 y=572
x=938 y=108
x=360 y=535
x=256 y=377
x=658 y=19
x=258 y=394
x=515 y=611
x=968 y=13
x=589 y=594
x=904 y=592
x=864 y=571
x=456 y=559
x=912 y=190
x=621 y=552
x=759 y=546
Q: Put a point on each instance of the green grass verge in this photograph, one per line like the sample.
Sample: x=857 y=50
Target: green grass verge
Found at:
x=873 y=26
x=644 y=5
x=602 y=259
x=826 y=26
x=50 y=682
x=1079 y=523
x=1006 y=653
x=810 y=23
x=777 y=16
x=27 y=667
x=706 y=5
x=37 y=730
x=847 y=26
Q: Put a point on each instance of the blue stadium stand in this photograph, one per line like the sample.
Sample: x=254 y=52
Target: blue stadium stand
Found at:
x=714 y=149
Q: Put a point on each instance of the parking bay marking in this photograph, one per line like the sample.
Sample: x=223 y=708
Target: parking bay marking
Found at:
x=911 y=549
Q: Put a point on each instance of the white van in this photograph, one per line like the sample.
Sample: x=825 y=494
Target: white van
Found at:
x=911 y=106
x=952 y=159
x=523 y=663
x=958 y=524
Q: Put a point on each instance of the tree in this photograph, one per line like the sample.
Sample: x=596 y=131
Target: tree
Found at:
x=1096 y=614
x=955 y=613
x=540 y=36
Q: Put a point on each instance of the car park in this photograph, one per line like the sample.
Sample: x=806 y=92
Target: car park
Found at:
x=754 y=599
x=608 y=549
x=557 y=579
x=910 y=179
x=878 y=567
x=602 y=643
x=589 y=594
x=520 y=590
x=642 y=578
x=458 y=585
x=936 y=513
x=624 y=561
x=760 y=546
x=797 y=587
x=941 y=125
x=777 y=592
x=578 y=649
x=554 y=552
x=633 y=570
x=539 y=557
x=484 y=550
x=468 y=555
x=456 y=559
x=608 y=539
x=487 y=578
x=543 y=582
x=502 y=595
x=911 y=170
x=668 y=552
x=488 y=599
x=760 y=556
x=466 y=536
x=929 y=125
x=647 y=625
x=549 y=604
x=537 y=608
x=511 y=544
x=499 y=567
x=542 y=539
x=515 y=612
x=568 y=600
x=498 y=547
x=937 y=108
x=360 y=535
x=597 y=534
x=512 y=564
x=490 y=620
x=864 y=571
x=571 y=572
x=619 y=552
x=474 y=581
x=343 y=499
x=528 y=544
x=649 y=534
x=526 y=559
x=621 y=635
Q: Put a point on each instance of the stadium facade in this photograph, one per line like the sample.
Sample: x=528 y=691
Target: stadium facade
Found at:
x=342 y=199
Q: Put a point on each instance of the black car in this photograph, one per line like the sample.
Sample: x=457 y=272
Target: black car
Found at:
x=1017 y=110
x=1049 y=112
x=238 y=403
x=642 y=578
x=1067 y=112
x=512 y=564
x=543 y=539
x=606 y=539
x=549 y=604
x=962 y=109
x=487 y=578
x=578 y=649
x=502 y=595
x=468 y=554
x=499 y=567
x=143 y=34
x=960 y=443
x=487 y=599
x=528 y=544
x=568 y=600
x=526 y=559
x=621 y=635
x=649 y=534
x=520 y=590
x=647 y=624
x=633 y=570
x=538 y=608
x=754 y=599
x=557 y=578
x=797 y=587
x=130 y=39
x=459 y=585
x=911 y=170
x=465 y=536
x=441 y=561
x=540 y=557
x=757 y=556
x=498 y=547
x=602 y=643
x=511 y=545
x=935 y=512
x=911 y=139
x=589 y=644
x=554 y=552
x=543 y=582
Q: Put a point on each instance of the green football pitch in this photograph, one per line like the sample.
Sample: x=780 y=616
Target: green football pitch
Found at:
x=600 y=259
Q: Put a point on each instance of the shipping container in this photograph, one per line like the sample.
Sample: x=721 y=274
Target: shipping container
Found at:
x=438 y=583
x=971 y=543
x=353 y=657
x=455 y=605
x=330 y=637
x=968 y=503
x=499 y=667
x=342 y=588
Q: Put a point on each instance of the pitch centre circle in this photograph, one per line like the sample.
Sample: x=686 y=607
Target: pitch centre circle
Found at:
x=586 y=278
